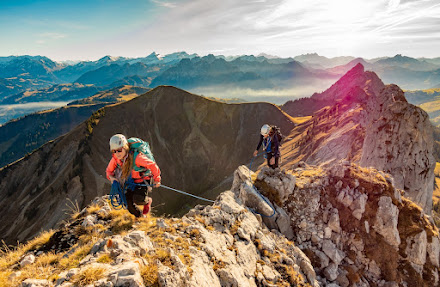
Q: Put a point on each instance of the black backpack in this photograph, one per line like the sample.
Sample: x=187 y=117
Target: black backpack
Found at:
x=275 y=131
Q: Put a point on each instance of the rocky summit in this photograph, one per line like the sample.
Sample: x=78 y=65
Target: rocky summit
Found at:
x=372 y=124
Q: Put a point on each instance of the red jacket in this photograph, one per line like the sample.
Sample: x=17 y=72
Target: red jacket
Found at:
x=141 y=161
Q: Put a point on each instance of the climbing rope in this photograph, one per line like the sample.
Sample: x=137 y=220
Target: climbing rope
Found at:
x=118 y=200
x=117 y=196
x=259 y=194
x=117 y=193
x=186 y=193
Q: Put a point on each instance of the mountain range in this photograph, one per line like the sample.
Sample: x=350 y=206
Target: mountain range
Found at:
x=27 y=73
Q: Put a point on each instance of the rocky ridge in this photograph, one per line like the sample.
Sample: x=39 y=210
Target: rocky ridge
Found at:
x=220 y=245
x=342 y=225
x=371 y=124
x=354 y=225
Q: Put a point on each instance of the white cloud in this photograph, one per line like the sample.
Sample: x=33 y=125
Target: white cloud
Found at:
x=164 y=4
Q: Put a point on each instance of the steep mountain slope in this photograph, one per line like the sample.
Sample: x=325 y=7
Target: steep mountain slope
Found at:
x=197 y=143
x=22 y=136
x=418 y=97
x=372 y=124
x=118 y=94
x=356 y=77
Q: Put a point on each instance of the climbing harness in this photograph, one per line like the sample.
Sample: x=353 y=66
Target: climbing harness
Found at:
x=259 y=194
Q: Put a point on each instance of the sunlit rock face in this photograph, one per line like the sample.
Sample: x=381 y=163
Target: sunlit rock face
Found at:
x=399 y=141
x=367 y=122
x=352 y=222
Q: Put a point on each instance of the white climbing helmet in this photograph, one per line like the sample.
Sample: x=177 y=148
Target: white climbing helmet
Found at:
x=117 y=141
x=265 y=129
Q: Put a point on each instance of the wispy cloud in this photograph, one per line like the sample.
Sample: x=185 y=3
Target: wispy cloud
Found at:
x=164 y=4
x=53 y=35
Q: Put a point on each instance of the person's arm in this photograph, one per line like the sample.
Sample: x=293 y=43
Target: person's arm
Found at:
x=143 y=161
x=110 y=170
x=259 y=145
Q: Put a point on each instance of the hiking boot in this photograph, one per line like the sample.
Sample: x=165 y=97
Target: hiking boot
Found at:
x=146 y=209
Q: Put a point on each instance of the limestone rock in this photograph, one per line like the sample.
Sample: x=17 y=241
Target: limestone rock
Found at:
x=245 y=191
x=416 y=248
x=28 y=259
x=329 y=248
x=399 y=141
x=433 y=250
x=90 y=220
x=331 y=272
x=387 y=218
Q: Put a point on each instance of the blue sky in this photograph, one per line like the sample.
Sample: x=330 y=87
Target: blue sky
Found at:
x=80 y=30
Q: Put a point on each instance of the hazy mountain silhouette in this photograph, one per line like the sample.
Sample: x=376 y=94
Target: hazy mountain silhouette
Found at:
x=207 y=71
x=108 y=74
x=316 y=61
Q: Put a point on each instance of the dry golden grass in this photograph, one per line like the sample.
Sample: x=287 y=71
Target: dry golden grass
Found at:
x=149 y=273
x=300 y=120
x=104 y=258
x=217 y=264
x=4 y=278
x=88 y=276
x=93 y=208
x=73 y=260
x=234 y=228
x=10 y=256
x=436 y=193
x=122 y=223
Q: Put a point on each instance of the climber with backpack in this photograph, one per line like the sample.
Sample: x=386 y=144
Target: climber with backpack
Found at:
x=270 y=138
x=133 y=166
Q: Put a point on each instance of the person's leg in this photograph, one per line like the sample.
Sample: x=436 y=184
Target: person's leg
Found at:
x=131 y=206
x=141 y=198
x=276 y=162
x=273 y=166
x=269 y=156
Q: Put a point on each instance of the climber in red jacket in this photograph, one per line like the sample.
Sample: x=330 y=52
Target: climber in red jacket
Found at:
x=120 y=168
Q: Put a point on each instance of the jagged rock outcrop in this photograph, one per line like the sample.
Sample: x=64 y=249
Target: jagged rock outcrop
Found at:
x=354 y=225
x=220 y=245
x=369 y=123
x=399 y=141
